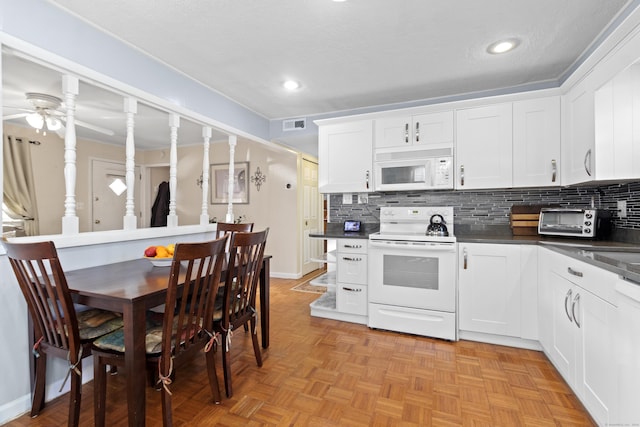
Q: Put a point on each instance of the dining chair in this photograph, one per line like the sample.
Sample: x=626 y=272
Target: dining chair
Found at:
x=191 y=290
x=59 y=330
x=236 y=306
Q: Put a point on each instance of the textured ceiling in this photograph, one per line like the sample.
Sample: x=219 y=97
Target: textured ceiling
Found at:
x=354 y=54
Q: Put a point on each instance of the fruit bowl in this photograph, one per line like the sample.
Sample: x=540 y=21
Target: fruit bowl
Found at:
x=160 y=262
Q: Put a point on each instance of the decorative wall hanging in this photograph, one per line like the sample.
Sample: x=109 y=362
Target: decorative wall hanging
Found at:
x=220 y=183
x=258 y=178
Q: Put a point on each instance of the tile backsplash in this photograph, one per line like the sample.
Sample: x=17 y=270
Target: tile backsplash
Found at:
x=491 y=207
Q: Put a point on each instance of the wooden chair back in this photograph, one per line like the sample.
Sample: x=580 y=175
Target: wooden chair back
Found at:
x=224 y=228
x=44 y=286
x=246 y=251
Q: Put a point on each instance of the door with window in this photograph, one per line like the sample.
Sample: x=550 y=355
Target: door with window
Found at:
x=109 y=195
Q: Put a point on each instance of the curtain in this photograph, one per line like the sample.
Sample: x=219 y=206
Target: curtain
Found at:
x=19 y=189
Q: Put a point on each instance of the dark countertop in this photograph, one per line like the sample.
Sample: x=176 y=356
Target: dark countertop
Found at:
x=335 y=231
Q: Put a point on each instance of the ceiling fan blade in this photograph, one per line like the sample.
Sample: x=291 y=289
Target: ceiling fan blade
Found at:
x=15 y=116
x=95 y=128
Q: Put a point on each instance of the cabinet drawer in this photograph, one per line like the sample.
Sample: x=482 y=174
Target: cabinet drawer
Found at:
x=594 y=279
x=352 y=246
x=351 y=299
x=352 y=268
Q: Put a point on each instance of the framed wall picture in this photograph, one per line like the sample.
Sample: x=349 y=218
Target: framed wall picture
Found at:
x=220 y=183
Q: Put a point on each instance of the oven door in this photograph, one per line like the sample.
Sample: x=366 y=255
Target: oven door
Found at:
x=413 y=274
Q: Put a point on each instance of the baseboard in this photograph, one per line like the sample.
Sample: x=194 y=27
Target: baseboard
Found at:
x=285 y=275
x=15 y=408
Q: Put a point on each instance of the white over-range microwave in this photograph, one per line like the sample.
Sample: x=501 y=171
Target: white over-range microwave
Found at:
x=414 y=169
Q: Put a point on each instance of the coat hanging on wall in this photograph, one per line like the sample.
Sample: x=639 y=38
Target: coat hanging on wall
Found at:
x=160 y=208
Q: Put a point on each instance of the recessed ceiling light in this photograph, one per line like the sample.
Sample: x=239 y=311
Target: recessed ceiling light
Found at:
x=502 y=46
x=291 y=85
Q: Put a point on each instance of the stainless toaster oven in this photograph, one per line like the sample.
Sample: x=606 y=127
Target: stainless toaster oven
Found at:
x=589 y=223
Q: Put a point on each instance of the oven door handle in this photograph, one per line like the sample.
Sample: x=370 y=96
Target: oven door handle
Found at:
x=418 y=246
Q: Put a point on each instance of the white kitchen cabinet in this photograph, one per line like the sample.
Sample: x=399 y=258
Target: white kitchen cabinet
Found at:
x=420 y=130
x=536 y=142
x=627 y=350
x=489 y=289
x=578 y=141
x=351 y=284
x=576 y=304
x=345 y=157
x=617 y=127
x=347 y=300
x=484 y=147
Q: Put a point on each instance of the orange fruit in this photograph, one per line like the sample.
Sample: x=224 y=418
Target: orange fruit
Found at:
x=162 y=252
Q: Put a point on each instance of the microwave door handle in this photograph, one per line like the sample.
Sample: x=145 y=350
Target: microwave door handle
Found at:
x=417 y=131
x=406 y=133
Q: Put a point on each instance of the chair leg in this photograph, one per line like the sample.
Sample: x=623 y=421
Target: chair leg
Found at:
x=256 y=344
x=39 y=386
x=99 y=390
x=167 y=415
x=75 y=395
x=226 y=367
x=213 y=376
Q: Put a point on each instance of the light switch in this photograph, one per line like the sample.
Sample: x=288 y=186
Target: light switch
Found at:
x=622 y=208
x=347 y=198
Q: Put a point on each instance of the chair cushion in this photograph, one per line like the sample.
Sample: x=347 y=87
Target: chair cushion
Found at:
x=153 y=339
x=94 y=323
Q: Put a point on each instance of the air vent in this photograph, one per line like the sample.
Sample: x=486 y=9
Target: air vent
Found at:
x=294 y=124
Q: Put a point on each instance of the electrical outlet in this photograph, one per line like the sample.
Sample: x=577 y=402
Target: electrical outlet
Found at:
x=347 y=198
x=363 y=198
x=622 y=208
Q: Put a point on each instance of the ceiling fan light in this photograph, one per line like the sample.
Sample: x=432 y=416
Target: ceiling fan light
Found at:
x=53 y=124
x=35 y=120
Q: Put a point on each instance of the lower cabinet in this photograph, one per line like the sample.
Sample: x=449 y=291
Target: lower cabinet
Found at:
x=577 y=330
x=348 y=301
x=497 y=290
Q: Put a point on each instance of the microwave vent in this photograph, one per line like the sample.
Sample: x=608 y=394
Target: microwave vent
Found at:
x=294 y=124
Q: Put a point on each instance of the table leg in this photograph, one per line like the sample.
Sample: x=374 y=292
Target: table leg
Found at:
x=264 y=301
x=135 y=362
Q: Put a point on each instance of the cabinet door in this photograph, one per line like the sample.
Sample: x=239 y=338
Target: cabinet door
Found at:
x=578 y=142
x=562 y=351
x=484 y=147
x=489 y=288
x=433 y=128
x=596 y=380
x=393 y=132
x=344 y=156
x=536 y=142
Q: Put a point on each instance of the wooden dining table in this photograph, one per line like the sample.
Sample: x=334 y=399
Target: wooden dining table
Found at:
x=131 y=288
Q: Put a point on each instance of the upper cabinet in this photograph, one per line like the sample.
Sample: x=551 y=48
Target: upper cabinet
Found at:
x=617 y=126
x=484 y=147
x=420 y=130
x=536 y=142
x=578 y=145
x=345 y=157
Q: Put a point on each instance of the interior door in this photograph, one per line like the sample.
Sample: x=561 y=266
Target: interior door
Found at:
x=311 y=221
x=109 y=195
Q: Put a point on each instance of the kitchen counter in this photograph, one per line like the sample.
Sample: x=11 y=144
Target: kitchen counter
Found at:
x=579 y=249
x=336 y=231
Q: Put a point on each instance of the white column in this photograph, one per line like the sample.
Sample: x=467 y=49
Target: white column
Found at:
x=204 y=215
x=130 y=221
x=232 y=152
x=174 y=123
x=70 y=222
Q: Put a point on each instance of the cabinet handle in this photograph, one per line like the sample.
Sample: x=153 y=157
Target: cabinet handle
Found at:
x=351 y=259
x=417 y=131
x=574 y=272
x=461 y=174
x=464 y=259
x=367 y=180
x=576 y=300
x=406 y=133
x=352 y=289
x=352 y=246
x=587 y=167
x=554 y=170
x=566 y=299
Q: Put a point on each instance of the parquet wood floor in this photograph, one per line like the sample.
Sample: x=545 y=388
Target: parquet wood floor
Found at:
x=320 y=372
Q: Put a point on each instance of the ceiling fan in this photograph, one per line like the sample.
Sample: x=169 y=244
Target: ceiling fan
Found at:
x=45 y=115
